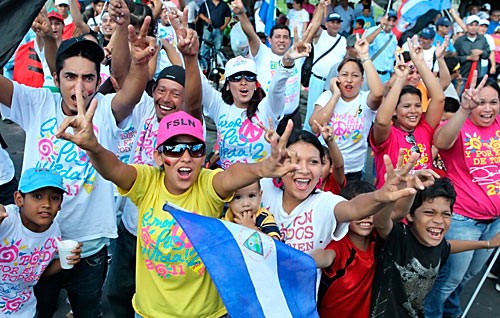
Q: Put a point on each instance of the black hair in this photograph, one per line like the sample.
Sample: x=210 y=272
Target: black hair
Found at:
x=442 y=188
x=279 y=27
x=490 y=82
x=412 y=90
x=355 y=188
x=138 y=13
x=451 y=63
x=23 y=194
x=307 y=137
x=361 y=22
x=253 y=104
x=351 y=59
x=451 y=105
x=299 y=1
x=71 y=52
x=327 y=154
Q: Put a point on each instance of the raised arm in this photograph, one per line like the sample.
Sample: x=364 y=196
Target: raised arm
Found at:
x=246 y=26
x=158 y=8
x=446 y=135
x=444 y=73
x=436 y=94
x=313 y=30
x=45 y=39
x=368 y=204
x=383 y=119
x=334 y=152
x=240 y=175
x=142 y=48
x=374 y=83
x=80 y=26
x=457 y=18
x=188 y=44
x=104 y=161
x=120 y=61
x=322 y=114
x=371 y=37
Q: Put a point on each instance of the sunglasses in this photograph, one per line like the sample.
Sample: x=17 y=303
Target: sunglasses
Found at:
x=411 y=140
x=249 y=77
x=196 y=150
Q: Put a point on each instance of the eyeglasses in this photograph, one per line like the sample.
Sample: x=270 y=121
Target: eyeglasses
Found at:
x=249 y=77
x=411 y=140
x=196 y=150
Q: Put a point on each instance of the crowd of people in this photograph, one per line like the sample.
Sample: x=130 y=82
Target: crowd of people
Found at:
x=114 y=101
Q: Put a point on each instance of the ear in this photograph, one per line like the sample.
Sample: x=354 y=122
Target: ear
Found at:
x=158 y=159
x=18 y=199
x=410 y=217
x=56 y=79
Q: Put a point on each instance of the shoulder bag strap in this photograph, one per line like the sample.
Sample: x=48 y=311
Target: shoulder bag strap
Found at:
x=382 y=48
x=329 y=50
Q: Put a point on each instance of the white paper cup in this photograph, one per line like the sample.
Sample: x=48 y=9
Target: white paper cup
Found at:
x=64 y=248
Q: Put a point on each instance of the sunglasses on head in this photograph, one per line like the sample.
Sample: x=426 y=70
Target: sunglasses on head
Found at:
x=411 y=140
x=249 y=77
x=196 y=150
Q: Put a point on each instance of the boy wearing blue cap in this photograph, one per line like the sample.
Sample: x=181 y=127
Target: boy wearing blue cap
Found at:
x=28 y=233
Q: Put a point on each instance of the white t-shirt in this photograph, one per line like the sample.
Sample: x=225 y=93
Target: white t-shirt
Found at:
x=297 y=19
x=351 y=122
x=428 y=57
x=325 y=42
x=167 y=32
x=239 y=139
x=267 y=65
x=491 y=43
x=94 y=21
x=311 y=225
x=87 y=210
x=25 y=255
x=7 y=170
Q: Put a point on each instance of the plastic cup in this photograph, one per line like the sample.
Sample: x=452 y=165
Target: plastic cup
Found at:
x=64 y=248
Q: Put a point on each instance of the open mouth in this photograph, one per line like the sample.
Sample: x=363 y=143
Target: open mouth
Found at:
x=435 y=233
x=166 y=108
x=365 y=225
x=302 y=184
x=45 y=214
x=184 y=173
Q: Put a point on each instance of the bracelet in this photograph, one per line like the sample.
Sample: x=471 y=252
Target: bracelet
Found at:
x=365 y=59
x=288 y=67
x=488 y=243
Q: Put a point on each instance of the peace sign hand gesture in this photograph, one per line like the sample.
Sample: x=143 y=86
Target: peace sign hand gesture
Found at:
x=470 y=97
x=416 y=51
x=187 y=39
x=299 y=49
x=401 y=69
x=83 y=129
x=142 y=46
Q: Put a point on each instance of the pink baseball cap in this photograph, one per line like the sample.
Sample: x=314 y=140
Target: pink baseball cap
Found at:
x=179 y=123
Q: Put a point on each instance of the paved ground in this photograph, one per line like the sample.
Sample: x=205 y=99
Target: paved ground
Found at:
x=486 y=304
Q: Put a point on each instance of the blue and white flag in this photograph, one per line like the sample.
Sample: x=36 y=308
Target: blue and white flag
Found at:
x=267 y=14
x=256 y=276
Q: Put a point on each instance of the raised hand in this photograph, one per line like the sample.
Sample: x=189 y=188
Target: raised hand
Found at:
x=119 y=12
x=326 y=131
x=401 y=69
x=246 y=219
x=83 y=128
x=334 y=86
x=281 y=161
x=270 y=133
x=299 y=48
x=237 y=7
x=470 y=97
x=187 y=38
x=41 y=25
x=417 y=179
x=392 y=191
x=416 y=51
x=361 y=46
x=441 y=47
x=142 y=46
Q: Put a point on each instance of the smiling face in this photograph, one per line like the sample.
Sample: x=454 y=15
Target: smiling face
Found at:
x=39 y=207
x=408 y=112
x=182 y=172
x=246 y=199
x=302 y=182
x=333 y=27
x=362 y=228
x=108 y=26
x=484 y=115
x=413 y=77
x=391 y=23
x=350 y=78
x=76 y=68
x=168 y=96
x=280 y=41
x=431 y=221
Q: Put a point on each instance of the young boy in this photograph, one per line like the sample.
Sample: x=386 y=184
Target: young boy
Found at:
x=245 y=209
x=297 y=17
x=411 y=256
x=28 y=233
x=346 y=280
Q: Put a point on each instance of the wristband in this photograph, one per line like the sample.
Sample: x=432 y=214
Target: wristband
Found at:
x=288 y=67
x=365 y=59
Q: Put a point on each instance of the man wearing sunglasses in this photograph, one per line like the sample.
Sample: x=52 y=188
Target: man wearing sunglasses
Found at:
x=442 y=30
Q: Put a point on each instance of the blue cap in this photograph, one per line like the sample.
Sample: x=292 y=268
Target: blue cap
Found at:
x=443 y=21
x=392 y=14
x=428 y=33
x=37 y=178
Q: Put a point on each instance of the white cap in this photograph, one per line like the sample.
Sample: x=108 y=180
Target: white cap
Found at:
x=240 y=64
x=497 y=28
x=487 y=6
x=484 y=21
x=473 y=18
x=457 y=28
x=59 y=2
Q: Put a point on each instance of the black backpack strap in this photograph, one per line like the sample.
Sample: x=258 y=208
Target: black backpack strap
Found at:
x=2 y=142
x=326 y=281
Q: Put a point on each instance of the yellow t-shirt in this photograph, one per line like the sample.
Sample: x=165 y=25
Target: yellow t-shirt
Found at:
x=171 y=280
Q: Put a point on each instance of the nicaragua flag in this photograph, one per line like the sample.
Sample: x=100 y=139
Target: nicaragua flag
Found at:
x=266 y=13
x=256 y=276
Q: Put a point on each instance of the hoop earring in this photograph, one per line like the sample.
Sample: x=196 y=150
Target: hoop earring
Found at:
x=278 y=183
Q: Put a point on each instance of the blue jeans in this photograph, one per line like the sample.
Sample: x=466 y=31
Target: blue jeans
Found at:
x=315 y=89
x=121 y=277
x=444 y=298
x=84 y=286
x=215 y=36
